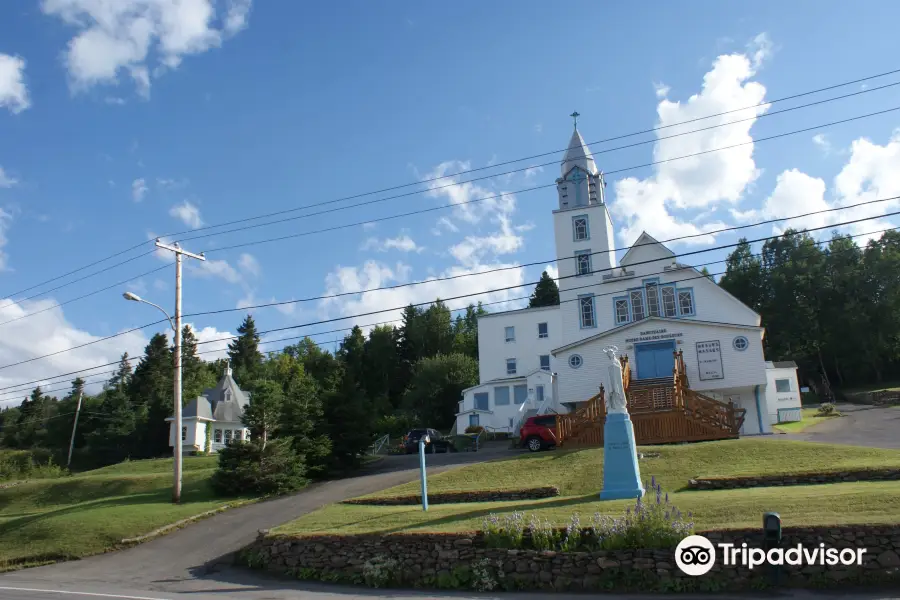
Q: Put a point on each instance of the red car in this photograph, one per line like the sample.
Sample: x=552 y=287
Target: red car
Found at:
x=538 y=433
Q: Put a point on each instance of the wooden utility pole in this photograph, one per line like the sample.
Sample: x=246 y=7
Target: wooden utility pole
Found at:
x=74 y=425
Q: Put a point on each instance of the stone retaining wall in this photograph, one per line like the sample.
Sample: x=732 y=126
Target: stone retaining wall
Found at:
x=730 y=483
x=460 y=561
x=460 y=497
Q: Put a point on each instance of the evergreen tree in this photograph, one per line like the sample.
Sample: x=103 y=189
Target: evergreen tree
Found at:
x=546 y=292
x=196 y=375
x=244 y=353
x=348 y=421
x=437 y=386
x=380 y=368
x=263 y=413
x=151 y=391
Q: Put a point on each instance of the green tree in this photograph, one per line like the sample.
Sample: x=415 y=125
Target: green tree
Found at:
x=380 y=368
x=348 y=421
x=244 y=353
x=114 y=427
x=151 y=389
x=546 y=292
x=465 y=331
x=263 y=413
x=437 y=386
x=254 y=468
x=196 y=375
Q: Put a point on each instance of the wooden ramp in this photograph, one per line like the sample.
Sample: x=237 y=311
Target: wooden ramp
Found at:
x=662 y=411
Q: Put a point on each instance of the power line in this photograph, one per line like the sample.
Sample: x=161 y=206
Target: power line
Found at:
x=462 y=172
x=508 y=300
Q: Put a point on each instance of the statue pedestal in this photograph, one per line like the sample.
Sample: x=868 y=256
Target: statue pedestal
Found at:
x=621 y=474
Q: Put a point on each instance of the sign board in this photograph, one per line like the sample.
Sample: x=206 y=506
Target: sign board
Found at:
x=709 y=360
x=653 y=335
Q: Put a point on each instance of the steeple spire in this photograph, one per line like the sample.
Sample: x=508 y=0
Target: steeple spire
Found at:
x=227 y=367
x=575 y=116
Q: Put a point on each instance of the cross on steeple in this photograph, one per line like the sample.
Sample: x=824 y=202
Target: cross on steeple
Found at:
x=575 y=116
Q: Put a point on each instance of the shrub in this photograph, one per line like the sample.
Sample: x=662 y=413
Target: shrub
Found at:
x=380 y=571
x=474 y=429
x=28 y=464
x=247 y=468
x=825 y=410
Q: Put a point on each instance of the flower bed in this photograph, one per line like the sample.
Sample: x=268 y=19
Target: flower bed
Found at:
x=729 y=483
x=461 y=497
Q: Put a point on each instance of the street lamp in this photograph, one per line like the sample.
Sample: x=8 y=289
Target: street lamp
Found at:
x=176 y=328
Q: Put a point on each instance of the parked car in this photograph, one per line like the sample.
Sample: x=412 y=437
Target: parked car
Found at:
x=436 y=442
x=538 y=433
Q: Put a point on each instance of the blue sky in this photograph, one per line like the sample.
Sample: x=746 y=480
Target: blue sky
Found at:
x=127 y=120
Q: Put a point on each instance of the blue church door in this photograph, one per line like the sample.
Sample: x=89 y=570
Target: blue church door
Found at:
x=655 y=359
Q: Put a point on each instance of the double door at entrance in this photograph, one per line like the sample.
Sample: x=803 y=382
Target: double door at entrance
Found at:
x=655 y=359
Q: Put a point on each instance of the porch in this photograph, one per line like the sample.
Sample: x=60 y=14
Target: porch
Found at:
x=663 y=410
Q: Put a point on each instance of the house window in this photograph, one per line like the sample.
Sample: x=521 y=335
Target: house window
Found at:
x=501 y=396
x=740 y=343
x=668 y=301
x=580 y=230
x=217 y=436
x=637 y=304
x=586 y=307
x=510 y=334
x=482 y=402
x=652 y=289
x=782 y=386
x=183 y=433
x=510 y=366
x=227 y=435
x=542 y=330
x=583 y=262
x=520 y=394
x=575 y=361
x=474 y=420
x=545 y=362
x=621 y=307
x=686 y=302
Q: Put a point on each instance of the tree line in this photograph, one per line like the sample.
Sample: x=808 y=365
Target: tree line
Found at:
x=324 y=408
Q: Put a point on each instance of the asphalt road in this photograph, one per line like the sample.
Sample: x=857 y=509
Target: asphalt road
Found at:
x=861 y=425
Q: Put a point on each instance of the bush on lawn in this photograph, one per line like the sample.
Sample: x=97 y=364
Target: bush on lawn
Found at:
x=651 y=523
x=474 y=429
x=248 y=468
x=28 y=464
x=826 y=410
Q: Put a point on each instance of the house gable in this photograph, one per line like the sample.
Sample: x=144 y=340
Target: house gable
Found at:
x=646 y=248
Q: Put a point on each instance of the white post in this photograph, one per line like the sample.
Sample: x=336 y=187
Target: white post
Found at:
x=74 y=425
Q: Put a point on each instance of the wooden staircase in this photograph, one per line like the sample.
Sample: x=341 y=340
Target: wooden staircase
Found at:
x=662 y=411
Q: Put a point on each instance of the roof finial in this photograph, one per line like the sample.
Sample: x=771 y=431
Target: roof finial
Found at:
x=228 y=367
x=575 y=116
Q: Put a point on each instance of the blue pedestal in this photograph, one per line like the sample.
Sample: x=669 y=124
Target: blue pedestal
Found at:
x=621 y=474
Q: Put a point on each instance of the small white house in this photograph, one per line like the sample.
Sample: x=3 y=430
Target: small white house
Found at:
x=217 y=410
x=782 y=392
x=502 y=405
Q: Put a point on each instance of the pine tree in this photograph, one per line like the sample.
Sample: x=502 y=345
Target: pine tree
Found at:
x=151 y=391
x=244 y=353
x=263 y=413
x=196 y=375
x=546 y=292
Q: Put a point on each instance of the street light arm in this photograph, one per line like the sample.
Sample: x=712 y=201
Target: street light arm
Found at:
x=162 y=310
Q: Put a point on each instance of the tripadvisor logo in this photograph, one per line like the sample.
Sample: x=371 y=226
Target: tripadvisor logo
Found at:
x=696 y=555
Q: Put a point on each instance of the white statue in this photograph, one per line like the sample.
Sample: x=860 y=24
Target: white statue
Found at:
x=615 y=395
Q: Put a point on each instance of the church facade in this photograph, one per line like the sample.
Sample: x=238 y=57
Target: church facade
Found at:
x=648 y=304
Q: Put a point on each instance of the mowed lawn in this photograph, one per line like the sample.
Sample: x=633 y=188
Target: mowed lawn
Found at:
x=579 y=476
x=92 y=512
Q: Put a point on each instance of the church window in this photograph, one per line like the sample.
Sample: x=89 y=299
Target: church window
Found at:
x=586 y=309
x=637 y=304
x=668 y=301
x=542 y=330
x=652 y=289
x=217 y=436
x=545 y=361
x=510 y=334
x=740 y=343
x=621 y=306
x=583 y=262
x=575 y=361
x=227 y=435
x=686 y=302
x=580 y=231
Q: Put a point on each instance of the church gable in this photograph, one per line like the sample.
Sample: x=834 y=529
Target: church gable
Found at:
x=646 y=248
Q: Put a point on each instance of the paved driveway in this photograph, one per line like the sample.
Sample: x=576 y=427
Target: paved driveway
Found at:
x=861 y=425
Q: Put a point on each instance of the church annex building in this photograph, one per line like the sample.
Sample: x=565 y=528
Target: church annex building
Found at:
x=692 y=352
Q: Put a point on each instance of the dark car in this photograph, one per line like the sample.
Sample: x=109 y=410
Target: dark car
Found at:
x=538 y=433
x=436 y=442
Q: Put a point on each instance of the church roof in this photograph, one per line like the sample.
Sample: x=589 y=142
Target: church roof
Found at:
x=578 y=155
x=644 y=240
x=225 y=402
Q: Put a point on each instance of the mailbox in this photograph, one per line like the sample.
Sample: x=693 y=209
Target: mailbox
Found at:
x=772 y=529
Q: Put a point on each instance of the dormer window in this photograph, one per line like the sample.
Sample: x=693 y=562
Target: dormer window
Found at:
x=227 y=395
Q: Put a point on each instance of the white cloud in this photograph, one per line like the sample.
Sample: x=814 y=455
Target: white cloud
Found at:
x=213 y=350
x=248 y=264
x=160 y=285
x=188 y=214
x=664 y=204
x=369 y=226
x=402 y=242
x=538 y=128
x=473 y=249
x=138 y=189
x=216 y=268
x=5 y=180
x=661 y=89
x=114 y=100
x=532 y=171
x=115 y=37
x=5 y=221
x=444 y=223
x=822 y=142
x=463 y=195
x=760 y=49
x=13 y=91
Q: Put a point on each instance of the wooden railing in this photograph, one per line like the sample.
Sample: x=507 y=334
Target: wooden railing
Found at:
x=570 y=425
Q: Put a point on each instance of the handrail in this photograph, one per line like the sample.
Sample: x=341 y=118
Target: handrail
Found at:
x=380 y=443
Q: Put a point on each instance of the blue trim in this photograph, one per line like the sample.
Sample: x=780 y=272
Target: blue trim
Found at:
x=580 y=361
x=593 y=312
x=662 y=304
x=758 y=411
x=734 y=343
x=627 y=311
x=590 y=270
x=650 y=280
x=587 y=228
x=637 y=359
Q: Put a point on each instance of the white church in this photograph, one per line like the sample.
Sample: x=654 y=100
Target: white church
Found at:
x=649 y=305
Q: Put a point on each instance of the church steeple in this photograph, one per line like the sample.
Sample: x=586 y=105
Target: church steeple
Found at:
x=580 y=182
x=578 y=155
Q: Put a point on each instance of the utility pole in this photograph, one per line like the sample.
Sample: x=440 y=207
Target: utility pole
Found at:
x=179 y=252
x=74 y=425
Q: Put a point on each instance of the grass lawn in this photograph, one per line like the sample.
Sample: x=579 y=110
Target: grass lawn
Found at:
x=891 y=386
x=579 y=476
x=89 y=513
x=808 y=419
